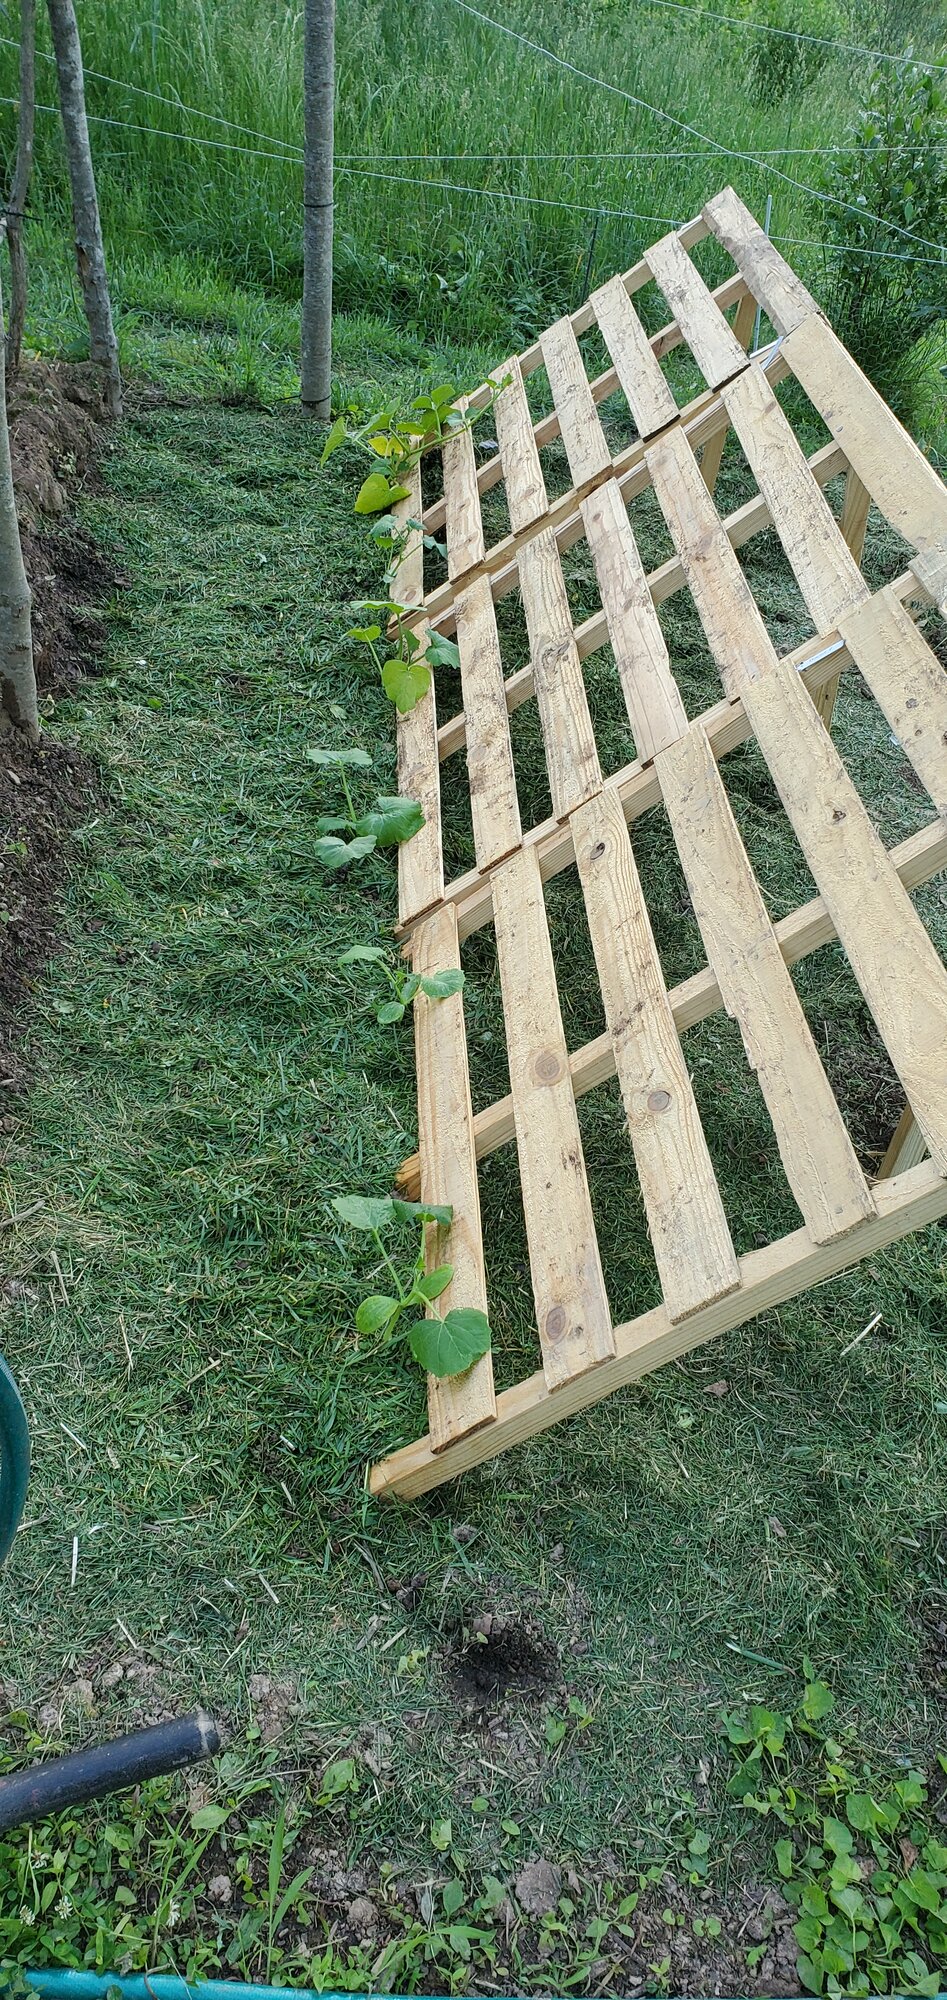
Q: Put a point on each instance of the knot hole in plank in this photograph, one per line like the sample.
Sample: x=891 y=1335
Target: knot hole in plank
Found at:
x=659 y=1100
x=548 y=1067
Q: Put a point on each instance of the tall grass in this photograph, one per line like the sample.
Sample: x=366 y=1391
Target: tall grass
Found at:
x=421 y=78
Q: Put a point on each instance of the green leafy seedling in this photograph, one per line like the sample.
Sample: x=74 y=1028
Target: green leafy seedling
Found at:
x=388 y=822
x=447 y=1346
x=405 y=985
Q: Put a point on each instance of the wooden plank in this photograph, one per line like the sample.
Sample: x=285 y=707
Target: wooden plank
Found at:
x=712 y=342
x=728 y=611
x=758 y=992
x=770 y=1276
x=825 y=569
x=649 y=397
x=908 y=683
x=465 y=542
x=655 y=709
x=740 y=527
x=890 y=953
x=571 y=755
x=917 y=860
x=493 y=802
x=856 y=508
x=689 y=1235
x=710 y=458
x=460 y=1403
x=897 y=475
x=907 y=1147
x=773 y=283
x=931 y=570
x=572 y=1313
x=522 y=473
x=420 y=859
x=584 y=439
x=633 y=280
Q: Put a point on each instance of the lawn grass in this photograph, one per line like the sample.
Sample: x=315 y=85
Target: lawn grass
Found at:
x=205 y=1080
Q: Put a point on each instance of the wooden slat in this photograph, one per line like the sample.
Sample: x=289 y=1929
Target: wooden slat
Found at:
x=907 y=1147
x=780 y=1271
x=825 y=569
x=461 y=1403
x=774 y=285
x=689 y=1235
x=493 y=801
x=744 y=321
x=649 y=397
x=891 y=955
x=728 y=611
x=758 y=992
x=582 y=434
x=572 y=1313
x=807 y=929
x=856 y=507
x=421 y=859
x=522 y=473
x=712 y=342
x=655 y=709
x=908 y=683
x=465 y=542
x=571 y=755
x=931 y=570
x=896 y=473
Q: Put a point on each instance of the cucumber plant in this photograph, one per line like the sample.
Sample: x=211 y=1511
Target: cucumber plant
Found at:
x=406 y=670
x=447 y=1346
x=405 y=985
x=385 y=824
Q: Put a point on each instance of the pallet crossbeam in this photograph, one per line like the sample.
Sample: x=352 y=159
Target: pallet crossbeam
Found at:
x=681 y=770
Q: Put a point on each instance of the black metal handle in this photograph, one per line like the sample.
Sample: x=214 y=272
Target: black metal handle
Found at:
x=105 y=1767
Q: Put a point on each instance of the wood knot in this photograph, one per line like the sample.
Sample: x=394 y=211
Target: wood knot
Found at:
x=598 y=850
x=547 y=1067
x=659 y=1100
x=555 y=1324
x=839 y=813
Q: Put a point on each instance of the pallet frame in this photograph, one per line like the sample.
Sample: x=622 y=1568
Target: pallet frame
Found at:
x=786 y=703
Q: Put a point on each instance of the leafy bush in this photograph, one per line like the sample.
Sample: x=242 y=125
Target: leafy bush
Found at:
x=779 y=66
x=888 y=295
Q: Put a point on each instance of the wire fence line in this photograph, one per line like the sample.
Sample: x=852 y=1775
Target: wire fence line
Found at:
x=682 y=125
x=350 y=164
x=747 y=26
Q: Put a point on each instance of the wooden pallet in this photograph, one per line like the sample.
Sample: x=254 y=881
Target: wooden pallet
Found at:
x=786 y=704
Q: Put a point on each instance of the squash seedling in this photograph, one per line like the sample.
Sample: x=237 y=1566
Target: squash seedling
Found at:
x=389 y=821
x=447 y=1346
x=405 y=985
x=405 y=672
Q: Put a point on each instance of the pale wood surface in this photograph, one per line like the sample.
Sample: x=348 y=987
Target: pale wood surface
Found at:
x=890 y=953
x=457 y=1404
x=774 y=284
x=712 y=342
x=736 y=634
x=465 y=542
x=421 y=859
x=758 y=992
x=493 y=802
x=711 y=457
x=571 y=755
x=856 y=507
x=896 y=473
x=824 y=567
x=930 y=568
x=907 y=1146
x=770 y=1276
x=582 y=434
x=655 y=709
x=648 y=395
x=908 y=683
x=688 y=1228
x=572 y=1313
x=917 y=860
x=522 y=472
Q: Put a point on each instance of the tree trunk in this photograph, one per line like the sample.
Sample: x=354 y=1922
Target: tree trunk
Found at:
x=319 y=104
x=18 y=706
x=90 y=253
x=21 y=184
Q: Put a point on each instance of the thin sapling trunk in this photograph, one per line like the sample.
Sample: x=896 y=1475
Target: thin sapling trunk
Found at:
x=18 y=704
x=90 y=251
x=21 y=184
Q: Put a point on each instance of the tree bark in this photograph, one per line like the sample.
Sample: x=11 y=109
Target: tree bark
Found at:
x=21 y=184
x=90 y=252
x=18 y=704
x=319 y=106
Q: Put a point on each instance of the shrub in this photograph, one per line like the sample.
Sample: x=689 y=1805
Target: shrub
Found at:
x=779 y=66
x=888 y=295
